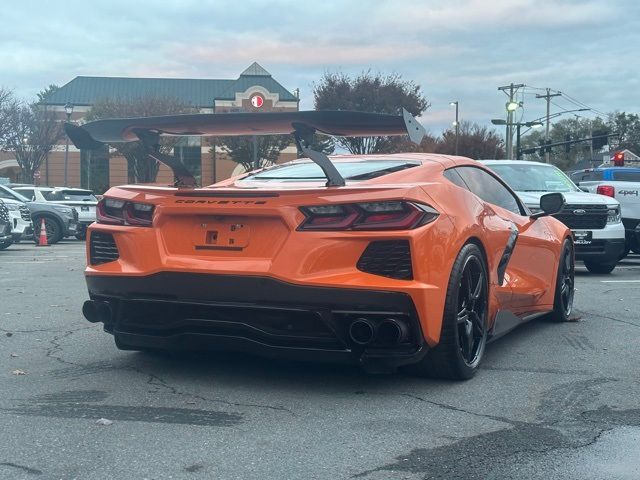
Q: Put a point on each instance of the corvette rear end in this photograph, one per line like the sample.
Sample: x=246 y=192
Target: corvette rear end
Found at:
x=306 y=273
x=374 y=260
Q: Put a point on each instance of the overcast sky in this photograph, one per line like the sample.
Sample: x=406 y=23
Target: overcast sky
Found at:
x=455 y=50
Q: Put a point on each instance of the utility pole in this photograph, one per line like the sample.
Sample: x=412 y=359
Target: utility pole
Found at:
x=456 y=123
x=214 y=145
x=511 y=107
x=547 y=97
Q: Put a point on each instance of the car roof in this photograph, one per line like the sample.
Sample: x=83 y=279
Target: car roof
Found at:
x=514 y=162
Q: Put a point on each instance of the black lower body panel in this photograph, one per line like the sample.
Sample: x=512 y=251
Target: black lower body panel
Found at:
x=601 y=250
x=260 y=315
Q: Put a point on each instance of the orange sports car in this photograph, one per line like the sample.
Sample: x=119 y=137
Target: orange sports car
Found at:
x=377 y=260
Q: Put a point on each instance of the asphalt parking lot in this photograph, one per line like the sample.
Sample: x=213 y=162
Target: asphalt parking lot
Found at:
x=551 y=400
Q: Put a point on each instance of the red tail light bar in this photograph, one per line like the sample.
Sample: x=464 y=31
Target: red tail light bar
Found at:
x=387 y=215
x=607 y=190
x=119 y=212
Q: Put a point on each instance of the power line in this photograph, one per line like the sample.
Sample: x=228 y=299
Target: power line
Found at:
x=582 y=104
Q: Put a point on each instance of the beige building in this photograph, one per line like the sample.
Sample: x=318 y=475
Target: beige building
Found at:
x=255 y=90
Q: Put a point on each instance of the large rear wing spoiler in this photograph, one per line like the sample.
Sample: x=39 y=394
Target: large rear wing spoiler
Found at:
x=302 y=125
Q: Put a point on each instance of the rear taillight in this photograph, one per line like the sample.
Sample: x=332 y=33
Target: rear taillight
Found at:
x=389 y=215
x=119 y=212
x=607 y=190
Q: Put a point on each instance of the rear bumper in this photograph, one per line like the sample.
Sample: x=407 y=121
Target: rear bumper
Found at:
x=259 y=315
x=71 y=228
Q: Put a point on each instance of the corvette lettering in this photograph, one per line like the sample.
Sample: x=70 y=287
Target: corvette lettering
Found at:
x=223 y=202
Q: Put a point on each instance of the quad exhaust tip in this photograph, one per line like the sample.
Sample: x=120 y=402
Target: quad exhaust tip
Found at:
x=362 y=331
x=390 y=331
x=96 y=312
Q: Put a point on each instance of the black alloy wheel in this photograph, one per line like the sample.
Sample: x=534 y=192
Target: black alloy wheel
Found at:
x=565 y=284
x=464 y=324
x=472 y=310
x=53 y=229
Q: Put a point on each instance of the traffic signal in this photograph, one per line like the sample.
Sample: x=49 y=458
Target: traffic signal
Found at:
x=544 y=148
x=618 y=159
x=600 y=139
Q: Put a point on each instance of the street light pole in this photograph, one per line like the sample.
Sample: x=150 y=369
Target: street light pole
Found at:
x=456 y=123
x=68 y=108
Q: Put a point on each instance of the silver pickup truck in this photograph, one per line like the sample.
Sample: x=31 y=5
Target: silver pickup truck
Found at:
x=623 y=184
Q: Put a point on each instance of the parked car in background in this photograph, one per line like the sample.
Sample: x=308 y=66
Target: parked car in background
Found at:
x=84 y=201
x=19 y=216
x=60 y=220
x=5 y=227
x=594 y=219
x=623 y=184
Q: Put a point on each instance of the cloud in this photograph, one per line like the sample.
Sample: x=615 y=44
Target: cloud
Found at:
x=248 y=48
x=460 y=50
x=503 y=14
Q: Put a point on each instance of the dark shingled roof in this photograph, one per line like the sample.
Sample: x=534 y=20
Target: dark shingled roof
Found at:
x=194 y=92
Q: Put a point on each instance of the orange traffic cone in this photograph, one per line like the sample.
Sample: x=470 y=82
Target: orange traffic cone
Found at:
x=43 y=235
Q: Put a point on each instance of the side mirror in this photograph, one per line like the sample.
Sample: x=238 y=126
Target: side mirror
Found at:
x=550 y=204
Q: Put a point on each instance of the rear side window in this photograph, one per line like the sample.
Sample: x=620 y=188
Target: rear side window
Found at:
x=622 y=176
x=588 y=176
x=489 y=188
x=454 y=177
x=26 y=192
x=78 y=195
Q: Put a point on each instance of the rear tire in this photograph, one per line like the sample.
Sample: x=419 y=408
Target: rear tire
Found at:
x=565 y=284
x=6 y=244
x=464 y=324
x=600 y=268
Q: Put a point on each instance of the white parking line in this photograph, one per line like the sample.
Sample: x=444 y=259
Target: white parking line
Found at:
x=619 y=281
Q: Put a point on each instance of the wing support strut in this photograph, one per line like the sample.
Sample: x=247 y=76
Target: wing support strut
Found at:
x=303 y=135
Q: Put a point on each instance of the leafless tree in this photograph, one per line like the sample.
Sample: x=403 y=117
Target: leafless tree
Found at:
x=474 y=141
x=240 y=149
x=144 y=169
x=32 y=134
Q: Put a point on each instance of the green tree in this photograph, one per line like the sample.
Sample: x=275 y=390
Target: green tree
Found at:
x=627 y=126
x=474 y=141
x=369 y=92
x=50 y=90
x=144 y=169
x=568 y=129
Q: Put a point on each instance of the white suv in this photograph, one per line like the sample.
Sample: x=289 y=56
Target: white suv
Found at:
x=84 y=201
x=595 y=220
x=19 y=216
